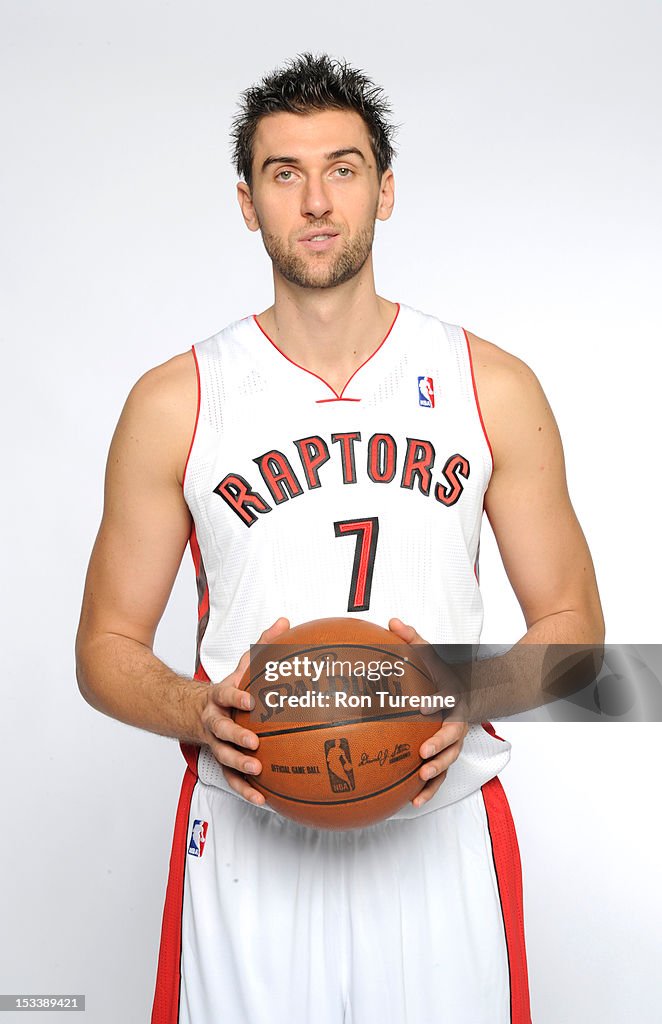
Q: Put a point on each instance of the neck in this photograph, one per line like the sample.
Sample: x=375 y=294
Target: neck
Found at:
x=330 y=331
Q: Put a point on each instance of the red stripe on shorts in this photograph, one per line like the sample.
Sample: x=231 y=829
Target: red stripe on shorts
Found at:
x=508 y=868
x=166 y=997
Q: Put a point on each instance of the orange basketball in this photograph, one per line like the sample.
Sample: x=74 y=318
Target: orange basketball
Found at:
x=338 y=712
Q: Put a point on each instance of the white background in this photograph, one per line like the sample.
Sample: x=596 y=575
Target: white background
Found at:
x=527 y=210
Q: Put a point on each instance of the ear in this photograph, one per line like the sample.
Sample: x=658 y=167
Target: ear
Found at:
x=246 y=204
x=386 y=195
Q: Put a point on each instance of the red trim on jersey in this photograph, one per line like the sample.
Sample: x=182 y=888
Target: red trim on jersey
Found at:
x=195 y=552
x=473 y=381
x=165 y=1009
x=326 y=383
x=321 y=401
x=488 y=727
x=203 y=600
x=508 y=868
x=190 y=750
x=197 y=415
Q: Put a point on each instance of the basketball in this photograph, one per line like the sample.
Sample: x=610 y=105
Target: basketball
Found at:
x=339 y=712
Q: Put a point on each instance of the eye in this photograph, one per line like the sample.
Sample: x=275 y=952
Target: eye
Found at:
x=344 y=172
x=284 y=171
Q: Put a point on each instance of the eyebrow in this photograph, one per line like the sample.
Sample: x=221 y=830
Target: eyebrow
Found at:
x=335 y=155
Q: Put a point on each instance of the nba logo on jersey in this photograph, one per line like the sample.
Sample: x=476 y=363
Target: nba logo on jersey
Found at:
x=198 y=835
x=426 y=392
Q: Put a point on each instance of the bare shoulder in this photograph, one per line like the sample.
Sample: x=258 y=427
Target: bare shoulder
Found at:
x=160 y=412
x=496 y=369
x=168 y=381
x=510 y=396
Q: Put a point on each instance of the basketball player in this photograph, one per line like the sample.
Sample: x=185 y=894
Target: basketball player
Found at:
x=333 y=406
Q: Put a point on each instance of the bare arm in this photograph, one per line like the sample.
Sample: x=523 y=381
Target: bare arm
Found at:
x=138 y=550
x=144 y=531
x=541 y=543
x=545 y=556
x=542 y=547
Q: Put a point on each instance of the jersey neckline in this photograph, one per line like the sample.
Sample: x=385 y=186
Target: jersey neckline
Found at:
x=337 y=397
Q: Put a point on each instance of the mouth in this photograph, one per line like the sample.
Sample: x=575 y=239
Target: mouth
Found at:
x=319 y=241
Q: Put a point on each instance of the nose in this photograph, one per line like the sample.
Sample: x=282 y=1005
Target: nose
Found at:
x=316 y=199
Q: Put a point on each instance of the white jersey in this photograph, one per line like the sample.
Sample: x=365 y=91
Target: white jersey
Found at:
x=308 y=503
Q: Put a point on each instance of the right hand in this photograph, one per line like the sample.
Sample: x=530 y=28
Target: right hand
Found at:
x=229 y=742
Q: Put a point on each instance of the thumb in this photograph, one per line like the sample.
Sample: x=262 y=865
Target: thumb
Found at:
x=406 y=633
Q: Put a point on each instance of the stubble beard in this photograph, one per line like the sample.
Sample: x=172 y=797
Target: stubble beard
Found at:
x=297 y=270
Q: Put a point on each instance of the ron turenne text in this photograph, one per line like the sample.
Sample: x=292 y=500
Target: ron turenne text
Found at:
x=380 y=699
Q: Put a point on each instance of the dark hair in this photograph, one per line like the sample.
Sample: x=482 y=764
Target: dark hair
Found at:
x=304 y=84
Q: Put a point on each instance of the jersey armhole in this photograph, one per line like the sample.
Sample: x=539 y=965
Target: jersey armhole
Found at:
x=197 y=416
x=475 y=390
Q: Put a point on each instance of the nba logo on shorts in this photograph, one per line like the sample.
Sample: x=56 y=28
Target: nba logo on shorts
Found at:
x=426 y=392
x=198 y=835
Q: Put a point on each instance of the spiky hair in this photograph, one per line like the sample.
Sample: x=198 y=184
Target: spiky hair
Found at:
x=307 y=83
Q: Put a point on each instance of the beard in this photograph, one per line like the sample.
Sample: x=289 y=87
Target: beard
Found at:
x=308 y=273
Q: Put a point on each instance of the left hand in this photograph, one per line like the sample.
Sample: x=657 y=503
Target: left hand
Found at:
x=441 y=749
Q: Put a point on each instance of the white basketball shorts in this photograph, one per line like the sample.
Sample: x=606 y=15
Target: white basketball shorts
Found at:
x=410 y=921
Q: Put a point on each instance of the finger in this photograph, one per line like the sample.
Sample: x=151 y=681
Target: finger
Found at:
x=429 y=790
x=406 y=633
x=228 y=755
x=427 y=653
x=281 y=625
x=242 y=665
x=450 y=732
x=238 y=783
x=441 y=763
x=226 y=695
x=225 y=729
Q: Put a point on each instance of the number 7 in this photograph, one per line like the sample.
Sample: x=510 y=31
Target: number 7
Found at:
x=366 y=531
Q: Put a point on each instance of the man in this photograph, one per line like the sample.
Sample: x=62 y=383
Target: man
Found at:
x=332 y=406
